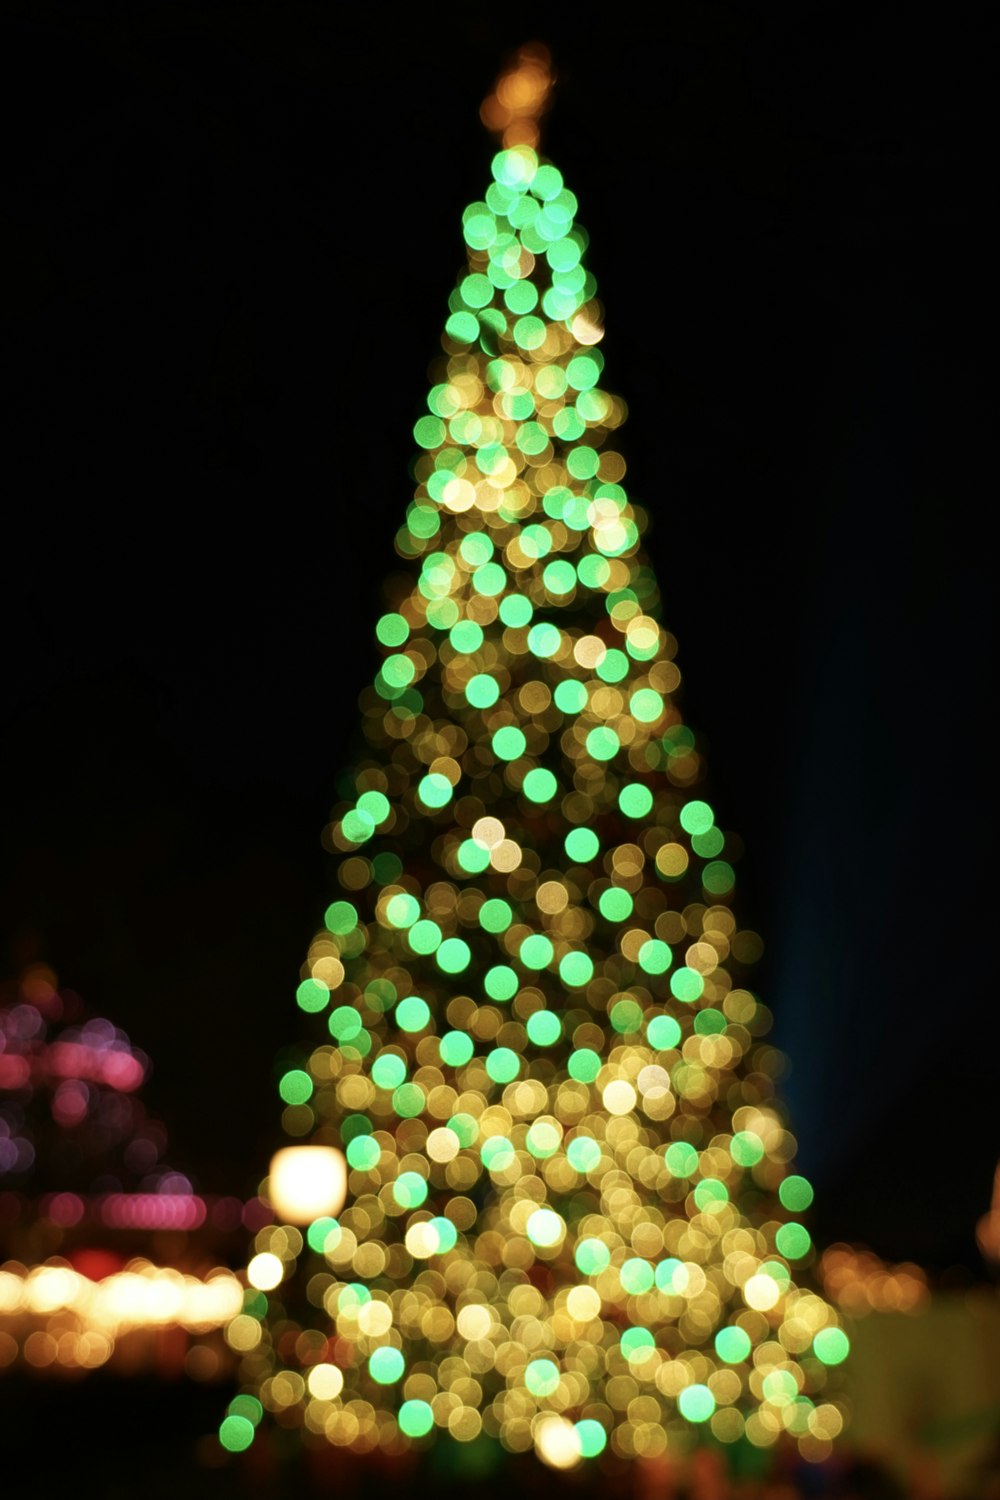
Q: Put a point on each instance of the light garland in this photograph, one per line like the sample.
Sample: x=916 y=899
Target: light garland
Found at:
x=51 y=1315
x=572 y=1214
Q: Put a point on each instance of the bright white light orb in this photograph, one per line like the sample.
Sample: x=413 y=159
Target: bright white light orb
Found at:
x=325 y=1382
x=474 y=1321
x=265 y=1272
x=557 y=1441
x=583 y=1303
x=619 y=1097
x=306 y=1183
x=761 y=1292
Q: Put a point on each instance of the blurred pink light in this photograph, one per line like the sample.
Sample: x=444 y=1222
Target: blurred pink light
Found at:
x=152 y=1211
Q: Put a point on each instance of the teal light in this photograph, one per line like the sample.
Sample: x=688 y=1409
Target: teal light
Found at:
x=386 y=1366
x=544 y=1028
x=732 y=1345
x=582 y=844
x=539 y=785
x=495 y=915
x=663 y=1032
x=509 y=742
x=592 y=1256
x=413 y=1014
x=482 y=691
x=456 y=1048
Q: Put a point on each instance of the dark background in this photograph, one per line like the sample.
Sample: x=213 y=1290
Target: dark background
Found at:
x=231 y=232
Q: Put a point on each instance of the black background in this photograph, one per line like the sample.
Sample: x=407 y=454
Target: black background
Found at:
x=231 y=231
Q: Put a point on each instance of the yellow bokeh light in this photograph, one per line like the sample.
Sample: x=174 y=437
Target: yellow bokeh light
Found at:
x=474 y=1321
x=619 y=1097
x=265 y=1272
x=761 y=1292
x=583 y=1303
x=325 y=1382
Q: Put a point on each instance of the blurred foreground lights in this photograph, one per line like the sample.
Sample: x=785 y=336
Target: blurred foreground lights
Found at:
x=557 y=1441
x=307 y=1182
x=51 y=1315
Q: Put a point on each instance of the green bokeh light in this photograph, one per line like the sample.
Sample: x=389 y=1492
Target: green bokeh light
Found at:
x=388 y=1070
x=416 y=1418
x=409 y=1190
x=583 y=1153
x=536 y=951
x=541 y=1376
x=681 y=1158
x=495 y=915
x=584 y=1064
x=592 y=1256
x=663 y=1032
x=603 y=743
x=409 y=1101
x=793 y=1241
x=696 y=1403
x=570 y=696
x=746 y=1148
x=615 y=904
x=686 y=985
x=732 y=1345
x=576 y=969
x=582 y=845
x=502 y=1064
x=341 y=917
x=453 y=955
x=236 y=1433
x=435 y=790
x=831 y=1346
x=413 y=1014
x=544 y=1028
x=655 y=956
x=386 y=1366
x=295 y=1086
x=482 y=691
x=796 y=1193
x=501 y=982
x=592 y=1437
x=363 y=1153
x=312 y=996
x=456 y=1048
x=635 y=800
x=509 y=742
x=539 y=785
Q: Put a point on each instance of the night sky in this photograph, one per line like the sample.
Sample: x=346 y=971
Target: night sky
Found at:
x=231 y=233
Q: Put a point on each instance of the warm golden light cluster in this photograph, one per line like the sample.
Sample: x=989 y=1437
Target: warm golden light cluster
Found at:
x=988 y=1228
x=572 y=1214
x=51 y=1315
x=860 y=1282
x=512 y=111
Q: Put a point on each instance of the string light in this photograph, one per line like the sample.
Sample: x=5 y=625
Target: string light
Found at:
x=53 y=1316
x=572 y=1219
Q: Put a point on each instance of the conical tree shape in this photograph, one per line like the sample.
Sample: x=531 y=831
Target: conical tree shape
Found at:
x=568 y=1217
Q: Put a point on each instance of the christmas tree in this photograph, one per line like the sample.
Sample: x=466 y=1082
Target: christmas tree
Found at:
x=570 y=1219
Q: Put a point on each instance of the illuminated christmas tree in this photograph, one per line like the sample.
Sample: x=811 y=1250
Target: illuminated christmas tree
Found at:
x=570 y=1203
